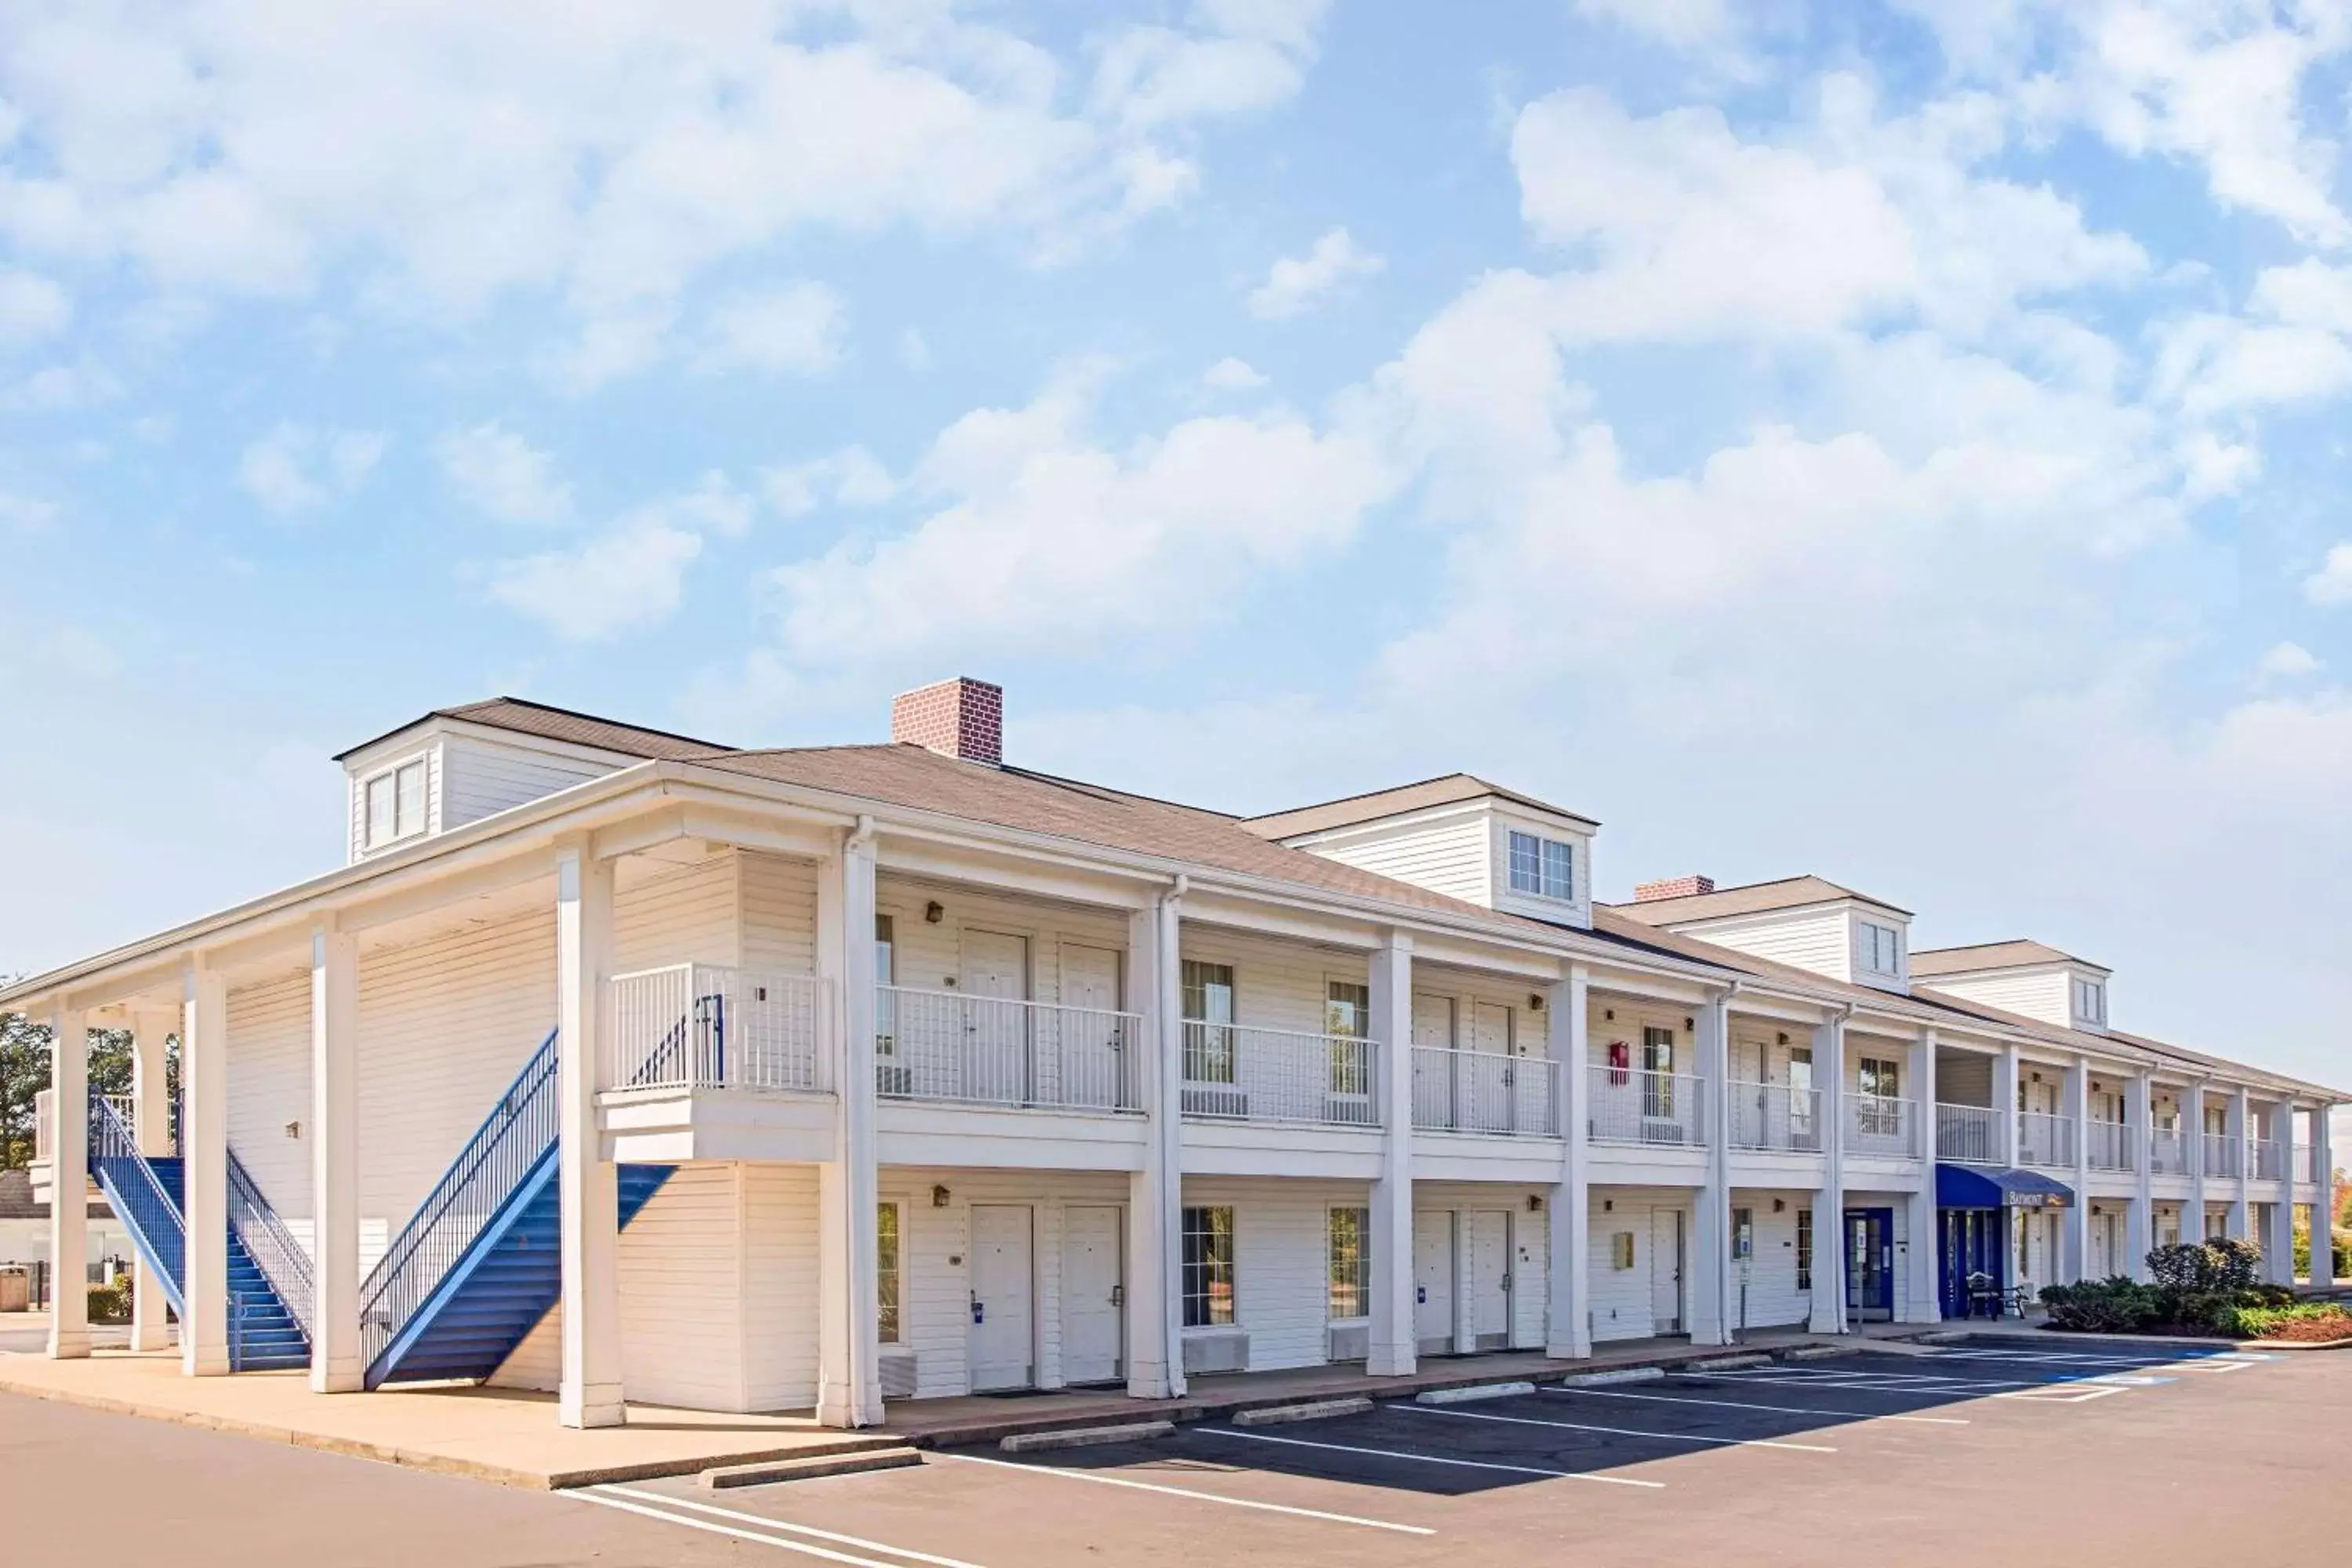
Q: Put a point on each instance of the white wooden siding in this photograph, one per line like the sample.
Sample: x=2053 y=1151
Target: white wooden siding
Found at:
x=1963 y=1077
x=778 y=910
x=1621 y=1298
x=677 y=914
x=1629 y=1018
x=1820 y=939
x=1446 y=855
x=484 y=777
x=2041 y=994
x=779 y=1286
x=269 y=1087
x=1773 y=1299
x=931 y=957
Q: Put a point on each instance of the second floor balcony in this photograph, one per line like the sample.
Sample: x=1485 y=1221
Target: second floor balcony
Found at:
x=2223 y=1154
x=1485 y=1091
x=2045 y=1140
x=2168 y=1153
x=1776 y=1117
x=1970 y=1135
x=2266 y=1159
x=1652 y=1108
x=2110 y=1146
x=1234 y=1072
x=704 y=1025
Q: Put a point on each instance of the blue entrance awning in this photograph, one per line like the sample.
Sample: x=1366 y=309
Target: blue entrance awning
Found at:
x=1985 y=1187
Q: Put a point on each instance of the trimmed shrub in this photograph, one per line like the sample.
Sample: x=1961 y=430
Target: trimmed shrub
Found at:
x=2205 y=1266
x=2111 y=1306
x=2268 y=1322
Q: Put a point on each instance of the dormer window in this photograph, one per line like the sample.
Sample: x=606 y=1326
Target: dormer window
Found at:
x=1880 y=947
x=1543 y=867
x=395 y=803
x=2091 y=1001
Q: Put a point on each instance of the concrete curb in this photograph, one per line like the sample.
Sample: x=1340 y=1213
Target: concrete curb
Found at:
x=1085 y=1436
x=1614 y=1376
x=1820 y=1352
x=726 y=1477
x=1315 y=1410
x=1468 y=1396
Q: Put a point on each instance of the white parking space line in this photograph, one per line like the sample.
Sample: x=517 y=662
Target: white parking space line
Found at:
x=1919 y=1387
x=713 y=1527
x=1623 y=1431
x=1185 y=1492
x=764 y=1521
x=1430 y=1458
x=1744 y=1404
x=2062 y=1392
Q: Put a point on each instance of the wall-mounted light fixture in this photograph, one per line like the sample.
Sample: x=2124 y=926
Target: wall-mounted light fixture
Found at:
x=1779 y=1205
x=1535 y=1000
x=293 y=1130
x=934 y=912
x=1535 y=1202
x=938 y=1198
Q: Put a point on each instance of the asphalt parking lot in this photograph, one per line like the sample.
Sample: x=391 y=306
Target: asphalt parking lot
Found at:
x=2021 y=1452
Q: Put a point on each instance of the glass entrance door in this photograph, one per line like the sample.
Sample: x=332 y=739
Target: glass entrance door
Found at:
x=1869 y=1265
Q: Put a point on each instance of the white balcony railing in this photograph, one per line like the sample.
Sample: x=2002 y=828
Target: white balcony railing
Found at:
x=994 y=1050
x=1485 y=1091
x=2168 y=1153
x=1651 y=1108
x=2304 y=1165
x=1776 y=1116
x=2268 y=1160
x=2045 y=1140
x=2110 y=1145
x=1882 y=1124
x=1233 y=1072
x=45 y=1125
x=2222 y=1154
x=1970 y=1135
x=704 y=1025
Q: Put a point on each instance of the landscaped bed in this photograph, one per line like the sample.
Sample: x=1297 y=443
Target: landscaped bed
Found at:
x=2199 y=1291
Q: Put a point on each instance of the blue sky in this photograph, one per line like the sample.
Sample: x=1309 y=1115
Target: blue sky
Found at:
x=1900 y=442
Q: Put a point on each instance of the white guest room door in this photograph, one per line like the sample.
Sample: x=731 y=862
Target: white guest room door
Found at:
x=995 y=1058
x=1088 y=1062
x=1001 y=1316
x=1490 y=1278
x=1432 y=1281
x=1667 y=1270
x=1091 y=1280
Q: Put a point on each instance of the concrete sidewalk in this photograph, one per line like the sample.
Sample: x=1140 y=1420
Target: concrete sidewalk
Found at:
x=511 y=1437
x=489 y=1434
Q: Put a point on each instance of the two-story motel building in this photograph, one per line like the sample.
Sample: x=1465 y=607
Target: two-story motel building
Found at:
x=630 y=1066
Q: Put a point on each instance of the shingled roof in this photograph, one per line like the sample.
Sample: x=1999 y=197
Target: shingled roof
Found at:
x=1754 y=898
x=2018 y=955
x=526 y=718
x=1449 y=790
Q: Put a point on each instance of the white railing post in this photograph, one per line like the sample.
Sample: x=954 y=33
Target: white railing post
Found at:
x=1155 y=1367
x=1827 y=1311
x=1393 y=1352
x=589 y=1389
x=1568 y=1322
x=68 y=1180
x=336 y=1366
x=204 y=1083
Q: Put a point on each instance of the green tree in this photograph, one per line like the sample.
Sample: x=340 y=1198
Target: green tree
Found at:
x=25 y=1073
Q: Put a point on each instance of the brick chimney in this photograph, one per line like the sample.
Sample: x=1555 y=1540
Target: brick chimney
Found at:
x=1679 y=887
x=962 y=718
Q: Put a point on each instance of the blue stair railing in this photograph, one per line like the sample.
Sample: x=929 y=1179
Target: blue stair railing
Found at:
x=284 y=1263
x=696 y=1045
x=138 y=1192
x=510 y=1148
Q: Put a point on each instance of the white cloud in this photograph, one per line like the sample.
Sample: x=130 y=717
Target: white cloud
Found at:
x=503 y=476
x=714 y=504
x=2332 y=584
x=1231 y=374
x=626 y=579
x=300 y=468
x=2289 y=661
x=1045 y=536
x=852 y=477
x=796 y=330
x=627 y=151
x=1298 y=284
x=31 y=306
x=27 y=515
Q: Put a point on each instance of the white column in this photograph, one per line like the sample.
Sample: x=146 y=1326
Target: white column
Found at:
x=2241 y=1198
x=2278 y=1234
x=2005 y=1081
x=1155 y=1362
x=1923 y=1300
x=335 y=1366
x=1567 y=1317
x=204 y=1138
x=2076 y=1252
x=2140 y=1226
x=589 y=1392
x=849 y=1375
x=1710 y=1260
x=2323 y=1201
x=150 y=1114
x=69 y=1182
x=1828 y=1200
x=1392 y=1347
x=2192 y=1143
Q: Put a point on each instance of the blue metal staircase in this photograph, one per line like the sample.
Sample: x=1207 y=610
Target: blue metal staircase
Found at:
x=267 y=1329
x=463 y=1283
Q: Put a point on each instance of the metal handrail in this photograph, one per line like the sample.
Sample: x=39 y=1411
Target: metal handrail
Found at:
x=273 y=1248
x=1485 y=1091
x=503 y=1151
x=959 y=1048
x=114 y=1150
